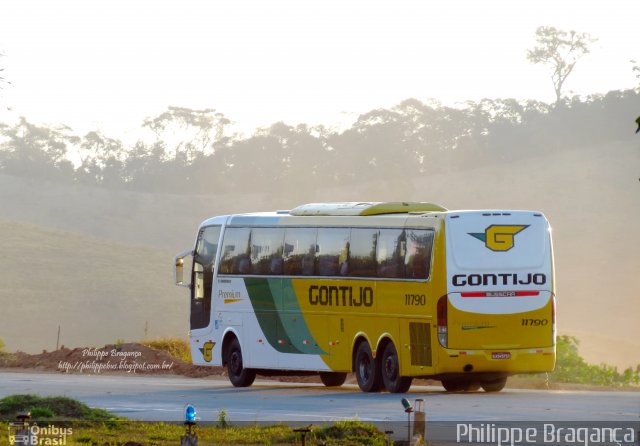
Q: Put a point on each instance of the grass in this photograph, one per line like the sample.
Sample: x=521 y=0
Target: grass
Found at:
x=178 y=348
x=344 y=433
x=98 y=427
x=50 y=408
x=4 y=356
x=572 y=368
x=352 y=433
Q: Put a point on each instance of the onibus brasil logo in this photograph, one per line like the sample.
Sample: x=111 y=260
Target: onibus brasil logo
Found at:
x=499 y=237
x=26 y=434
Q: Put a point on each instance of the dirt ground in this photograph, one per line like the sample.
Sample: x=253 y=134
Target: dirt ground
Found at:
x=121 y=358
x=128 y=358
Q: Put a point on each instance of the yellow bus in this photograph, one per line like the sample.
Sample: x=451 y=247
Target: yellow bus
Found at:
x=390 y=291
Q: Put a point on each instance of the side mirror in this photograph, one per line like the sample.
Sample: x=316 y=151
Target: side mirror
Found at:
x=179 y=271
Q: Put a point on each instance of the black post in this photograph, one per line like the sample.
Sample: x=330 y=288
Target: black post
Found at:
x=190 y=438
x=303 y=431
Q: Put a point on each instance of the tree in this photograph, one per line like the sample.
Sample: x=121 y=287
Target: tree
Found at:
x=2 y=79
x=635 y=69
x=561 y=50
x=38 y=152
x=100 y=160
x=189 y=133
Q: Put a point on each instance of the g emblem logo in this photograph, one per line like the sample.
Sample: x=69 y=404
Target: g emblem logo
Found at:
x=206 y=350
x=499 y=237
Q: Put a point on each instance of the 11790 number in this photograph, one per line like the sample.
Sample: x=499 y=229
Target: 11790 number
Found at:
x=415 y=299
x=535 y=322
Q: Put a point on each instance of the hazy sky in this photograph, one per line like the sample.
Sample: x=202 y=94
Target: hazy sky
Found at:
x=108 y=64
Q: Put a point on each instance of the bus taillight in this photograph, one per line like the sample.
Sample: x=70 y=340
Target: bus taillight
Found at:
x=553 y=317
x=442 y=321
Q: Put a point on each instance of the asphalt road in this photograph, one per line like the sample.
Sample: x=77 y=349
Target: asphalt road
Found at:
x=163 y=398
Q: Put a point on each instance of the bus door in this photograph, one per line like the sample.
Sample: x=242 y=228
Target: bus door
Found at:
x=200 y=266
x=202 y=277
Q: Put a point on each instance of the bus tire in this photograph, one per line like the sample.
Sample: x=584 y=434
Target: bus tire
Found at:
x=367 y=370
x=238 y=375
x=451 y=385
x=390 y=368
x=472 y=386
x=495 y=385
x=333 y=379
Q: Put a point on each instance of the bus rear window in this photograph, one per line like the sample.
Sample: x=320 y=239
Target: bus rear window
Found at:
x=418 y=256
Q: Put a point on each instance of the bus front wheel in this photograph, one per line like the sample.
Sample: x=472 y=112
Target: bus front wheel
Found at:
x=333 y=379
x=367 y=370
x=390 y=368
x=238 y=375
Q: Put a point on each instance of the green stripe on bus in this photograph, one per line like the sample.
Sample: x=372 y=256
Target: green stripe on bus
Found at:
x=293 y=320
x=280 y=317
x=267 y=314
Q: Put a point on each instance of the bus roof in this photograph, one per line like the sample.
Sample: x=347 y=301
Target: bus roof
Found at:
x=365 y=208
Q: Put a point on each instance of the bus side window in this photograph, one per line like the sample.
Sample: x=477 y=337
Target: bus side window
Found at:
x=362 y=252
x=390 y=254
x=299 y=251
x=418 y=256
x=235 y=252
x=332 y=256
x=266 y=250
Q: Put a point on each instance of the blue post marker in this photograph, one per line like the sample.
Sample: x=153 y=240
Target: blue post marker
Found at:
x=190 y=416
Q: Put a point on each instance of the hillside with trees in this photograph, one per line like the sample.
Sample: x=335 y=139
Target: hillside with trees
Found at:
x=191 y=151
x=91 y=223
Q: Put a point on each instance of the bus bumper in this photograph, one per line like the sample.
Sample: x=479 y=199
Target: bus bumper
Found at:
x=528 y=360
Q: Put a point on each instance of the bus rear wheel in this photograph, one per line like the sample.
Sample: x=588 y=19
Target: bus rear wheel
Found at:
x=367 y=370
x=333 y=379
x=238 y=375
x=390 y=368
x=495 y=385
